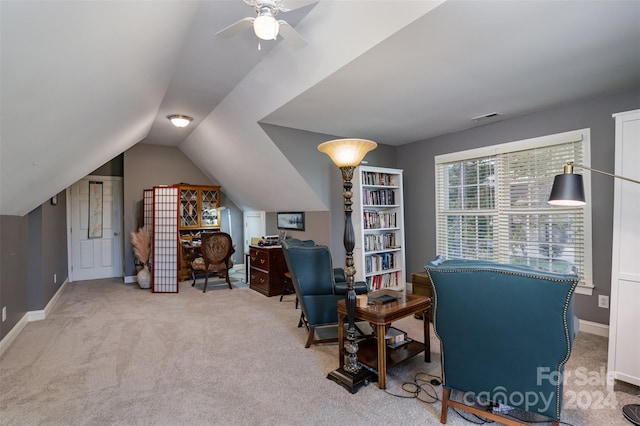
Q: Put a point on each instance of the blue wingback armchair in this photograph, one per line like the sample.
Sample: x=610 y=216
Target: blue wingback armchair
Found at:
x=339 y=278
x=506 y=333
x=312 y=278
x=314 y=281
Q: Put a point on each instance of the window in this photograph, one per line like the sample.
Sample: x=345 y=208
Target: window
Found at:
x=491 y=204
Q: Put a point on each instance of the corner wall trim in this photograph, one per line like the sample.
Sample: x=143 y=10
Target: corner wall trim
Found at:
x=594 y=328
x=13 y=333
x=43 y=313
x=37 y=315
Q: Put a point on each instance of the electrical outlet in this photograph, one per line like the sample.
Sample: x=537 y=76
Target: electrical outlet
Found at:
x=603 y=301
x=4 y=313
x=55 y=278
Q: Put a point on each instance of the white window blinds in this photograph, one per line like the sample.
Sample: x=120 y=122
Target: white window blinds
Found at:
x=494 y=207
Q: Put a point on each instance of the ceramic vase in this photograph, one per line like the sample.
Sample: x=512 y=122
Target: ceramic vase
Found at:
x=144 y=277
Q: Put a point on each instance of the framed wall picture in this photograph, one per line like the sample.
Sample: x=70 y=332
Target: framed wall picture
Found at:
x=95 y=209
x=291 y=220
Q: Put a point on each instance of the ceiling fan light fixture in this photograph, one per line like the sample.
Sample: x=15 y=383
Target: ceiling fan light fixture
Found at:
x=180 y=120
x=266 y=26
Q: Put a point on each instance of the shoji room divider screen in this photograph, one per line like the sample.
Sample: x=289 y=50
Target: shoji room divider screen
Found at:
x=165 y=239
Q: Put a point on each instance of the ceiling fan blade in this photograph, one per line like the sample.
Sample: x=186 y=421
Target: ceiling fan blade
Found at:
x=236 y=28
x=290 y=35
x=289 y=5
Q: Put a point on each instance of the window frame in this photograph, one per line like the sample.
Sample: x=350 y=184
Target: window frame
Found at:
x=586 y=284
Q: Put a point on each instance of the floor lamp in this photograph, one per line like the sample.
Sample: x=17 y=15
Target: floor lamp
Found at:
x=568 y=190
x=347 y=155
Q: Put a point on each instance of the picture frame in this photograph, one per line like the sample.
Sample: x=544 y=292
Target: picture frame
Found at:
x=290 y=220
x=95 y=209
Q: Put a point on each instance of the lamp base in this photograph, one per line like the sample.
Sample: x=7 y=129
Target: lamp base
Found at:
x=631 y=412
x=352 y=382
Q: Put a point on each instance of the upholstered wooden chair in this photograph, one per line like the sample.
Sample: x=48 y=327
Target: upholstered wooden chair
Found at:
x=216 y=249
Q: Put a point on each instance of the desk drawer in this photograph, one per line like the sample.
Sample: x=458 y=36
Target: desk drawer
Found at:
x=259 y=281
x=259 y=259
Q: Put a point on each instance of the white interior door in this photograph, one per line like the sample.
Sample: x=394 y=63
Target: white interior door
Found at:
x=98 y=256
x=254 y=226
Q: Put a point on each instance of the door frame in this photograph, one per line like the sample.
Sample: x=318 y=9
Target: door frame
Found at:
x=263 y=224
x=68 y=207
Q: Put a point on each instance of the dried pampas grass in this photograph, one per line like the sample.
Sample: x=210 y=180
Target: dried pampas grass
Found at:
x=141 y=245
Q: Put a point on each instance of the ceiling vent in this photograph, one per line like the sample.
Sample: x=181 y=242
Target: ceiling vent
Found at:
x=486 y=116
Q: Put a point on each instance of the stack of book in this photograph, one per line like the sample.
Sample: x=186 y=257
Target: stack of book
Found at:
x=396 y=338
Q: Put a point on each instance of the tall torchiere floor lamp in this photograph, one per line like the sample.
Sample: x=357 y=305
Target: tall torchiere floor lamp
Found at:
x=568 y=190
x=347 y=155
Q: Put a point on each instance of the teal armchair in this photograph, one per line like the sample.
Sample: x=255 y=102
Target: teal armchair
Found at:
x=339 y=277
x=312 y=278
x=506 y=333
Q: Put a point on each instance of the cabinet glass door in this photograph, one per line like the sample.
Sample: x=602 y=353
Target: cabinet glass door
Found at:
x=210 y=213
x=188 y=207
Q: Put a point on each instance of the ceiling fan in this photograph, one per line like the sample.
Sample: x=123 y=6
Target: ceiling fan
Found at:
x=265 y=25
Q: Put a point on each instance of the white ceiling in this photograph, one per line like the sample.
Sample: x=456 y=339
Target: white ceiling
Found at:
x=83 y=81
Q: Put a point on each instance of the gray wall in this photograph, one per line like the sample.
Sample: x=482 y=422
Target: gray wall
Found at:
x=47 y=252
x=301 y=149
x=417 y=159
x=13 y=269
x=316 y=225
x=33 y=248
x=146 y=166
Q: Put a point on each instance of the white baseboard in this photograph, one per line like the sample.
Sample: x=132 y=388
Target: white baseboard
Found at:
x=37 y=315
x=13 y=333
x=131 y=279
x=53 y=301
x=594 y=328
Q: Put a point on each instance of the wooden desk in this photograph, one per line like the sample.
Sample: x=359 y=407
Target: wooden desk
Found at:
x=373 y=352
x=189 y=252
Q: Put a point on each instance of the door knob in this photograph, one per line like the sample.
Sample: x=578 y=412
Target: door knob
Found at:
x=116 y=234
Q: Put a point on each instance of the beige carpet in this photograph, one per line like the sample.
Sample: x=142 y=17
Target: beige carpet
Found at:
x=112 y=354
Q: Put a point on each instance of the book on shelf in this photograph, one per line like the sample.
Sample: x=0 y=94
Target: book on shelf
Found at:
x=396 y=337
x=385 y=280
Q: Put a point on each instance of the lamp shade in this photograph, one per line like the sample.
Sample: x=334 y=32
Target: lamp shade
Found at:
x=266 y=27
x=180 y=120
x=347 y=152
x=567 y=190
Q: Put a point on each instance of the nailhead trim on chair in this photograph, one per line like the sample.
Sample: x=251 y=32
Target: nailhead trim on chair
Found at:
x=519 y=274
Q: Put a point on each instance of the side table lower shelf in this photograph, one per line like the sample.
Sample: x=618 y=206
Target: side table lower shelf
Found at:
x=368 y=352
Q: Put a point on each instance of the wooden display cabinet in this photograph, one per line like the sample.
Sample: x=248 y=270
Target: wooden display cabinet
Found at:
x=199 y=207
x=198 y=213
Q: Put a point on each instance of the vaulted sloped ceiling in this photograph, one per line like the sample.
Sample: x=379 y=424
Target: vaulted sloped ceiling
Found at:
x=82 y=81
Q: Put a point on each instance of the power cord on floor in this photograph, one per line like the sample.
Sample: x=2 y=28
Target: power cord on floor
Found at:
x=418 y=387
x=423 y=388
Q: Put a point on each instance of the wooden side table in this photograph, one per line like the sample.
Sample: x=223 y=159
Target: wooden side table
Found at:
x=421 y=284
x=373 y=352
